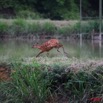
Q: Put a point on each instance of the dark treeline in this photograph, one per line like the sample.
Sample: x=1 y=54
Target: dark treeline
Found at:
x=53 y=9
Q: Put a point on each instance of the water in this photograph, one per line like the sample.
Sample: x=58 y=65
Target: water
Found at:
x=19 y=49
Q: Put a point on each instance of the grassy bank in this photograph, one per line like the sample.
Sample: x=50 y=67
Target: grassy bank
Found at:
x=39 y=83
x=35 y=28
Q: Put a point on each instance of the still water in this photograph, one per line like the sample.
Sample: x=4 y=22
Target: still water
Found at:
x=19 y=49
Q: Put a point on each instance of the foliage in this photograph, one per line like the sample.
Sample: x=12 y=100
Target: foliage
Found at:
x=78 y=86
x=71 y=31
x=22 y=27
x=57 y=9
x=27 y=14
x=26 y=86
x=35 y=28
x=88 y=27
x=3 y=28
x=48 y=28
x=35 y=83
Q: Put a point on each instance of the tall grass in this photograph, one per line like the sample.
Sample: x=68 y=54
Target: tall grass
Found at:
x=40 y=84
x=22 y=27
x=76 y=87
x=48 y=28
x=26 y=86
x=3 y=28
x=35 y=28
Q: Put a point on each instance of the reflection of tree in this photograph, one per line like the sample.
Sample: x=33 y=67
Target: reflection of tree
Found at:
x=100 y=46
x=97 y=47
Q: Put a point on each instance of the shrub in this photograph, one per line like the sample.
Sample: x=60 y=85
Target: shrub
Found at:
x=35 y=28
x=27 y=14
x=48 y=28
x=69 y=30
x=20 y=27
x=64 y=31
x=3 y=28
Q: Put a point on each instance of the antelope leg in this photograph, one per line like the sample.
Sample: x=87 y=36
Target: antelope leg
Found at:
x=66 y=54
x=39 y=53
x=58 y=50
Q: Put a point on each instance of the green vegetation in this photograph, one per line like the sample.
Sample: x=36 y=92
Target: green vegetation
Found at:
x=47 y=80
x=26 y=86
x=57 y=9
x=40 y=83
x=3 y=28
x=27 y=14
x=22 y=27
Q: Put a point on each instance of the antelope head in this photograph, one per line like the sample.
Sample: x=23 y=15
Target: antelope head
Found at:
x=36 y=46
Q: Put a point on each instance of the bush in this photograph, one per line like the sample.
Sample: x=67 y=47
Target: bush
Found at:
x=27 y=14
x=69 y=30
x=64 y=31
x=20 y=27
x=35 y=28
x=3 y=28
x=87 y=27
x=48 y=28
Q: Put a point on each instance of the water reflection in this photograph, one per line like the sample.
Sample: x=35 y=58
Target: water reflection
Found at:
x=11 y=49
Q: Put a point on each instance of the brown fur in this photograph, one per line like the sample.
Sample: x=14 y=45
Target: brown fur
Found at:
x=47 y=46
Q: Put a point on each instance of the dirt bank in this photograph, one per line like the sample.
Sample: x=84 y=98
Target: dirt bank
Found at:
x=5 y=72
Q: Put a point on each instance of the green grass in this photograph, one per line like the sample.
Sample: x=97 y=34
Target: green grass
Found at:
x=37 y=83
x=3 y=28
x=26 y=86
x=23 y=27
x=48 y=28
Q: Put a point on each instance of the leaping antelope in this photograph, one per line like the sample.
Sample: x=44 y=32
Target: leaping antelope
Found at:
x=47 y=46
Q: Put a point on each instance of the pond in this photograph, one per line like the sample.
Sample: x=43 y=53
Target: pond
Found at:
x=20 y=49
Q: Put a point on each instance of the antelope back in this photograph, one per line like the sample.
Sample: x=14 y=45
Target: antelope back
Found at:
x=52 y=42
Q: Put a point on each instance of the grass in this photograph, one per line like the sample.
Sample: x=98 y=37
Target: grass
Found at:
x=20 y=27
x=48 y=28
x=27 y=86
x=40 y=80
x=23 y=27
x=36 y=83
x=3 y=28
